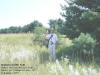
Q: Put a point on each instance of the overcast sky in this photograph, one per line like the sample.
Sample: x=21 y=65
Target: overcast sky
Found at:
x=22 y=12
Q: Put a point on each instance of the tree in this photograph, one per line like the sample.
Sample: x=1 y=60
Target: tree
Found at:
x=27 y=28
x=93 y=5
x=33 y=25
x=80 y=17
x=60 y=23
x=72 y=15
x=90 y=23
x=30 y=27
x=3 y=30
x=53 y=23
x=57 y=24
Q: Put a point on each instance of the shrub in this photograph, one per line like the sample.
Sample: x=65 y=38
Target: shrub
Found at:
x=97 y=51
x=83 y=47
x=39 y=36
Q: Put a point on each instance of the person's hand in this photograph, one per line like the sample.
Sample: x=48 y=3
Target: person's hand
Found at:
x=47 y=32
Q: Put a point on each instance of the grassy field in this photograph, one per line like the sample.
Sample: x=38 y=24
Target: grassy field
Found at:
x=20 y=49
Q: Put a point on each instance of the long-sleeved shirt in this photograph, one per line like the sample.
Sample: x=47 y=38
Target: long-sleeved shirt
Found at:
x=53 y=39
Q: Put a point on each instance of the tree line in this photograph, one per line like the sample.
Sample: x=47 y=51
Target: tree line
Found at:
x=26 y=28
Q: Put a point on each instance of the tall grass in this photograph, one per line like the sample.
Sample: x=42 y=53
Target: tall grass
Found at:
x=20 y=49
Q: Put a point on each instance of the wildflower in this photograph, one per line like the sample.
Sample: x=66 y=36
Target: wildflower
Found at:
x=76 y=72
x=3 y=55
x=84 y=72
x=66 y=59
x=89 y=69
x=99 y=72
x=53 y=69
x=21 y=54
x=71 y=68
x=59 y=66
x=94 y=72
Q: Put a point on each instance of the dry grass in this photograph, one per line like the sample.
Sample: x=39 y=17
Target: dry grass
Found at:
x=20 y=49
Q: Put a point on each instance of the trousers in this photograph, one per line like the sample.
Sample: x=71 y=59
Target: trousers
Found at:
x=52 y=51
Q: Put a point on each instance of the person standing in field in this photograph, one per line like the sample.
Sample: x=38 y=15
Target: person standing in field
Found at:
x=52 y=43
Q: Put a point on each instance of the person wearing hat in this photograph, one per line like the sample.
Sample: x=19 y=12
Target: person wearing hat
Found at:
x=52 y=43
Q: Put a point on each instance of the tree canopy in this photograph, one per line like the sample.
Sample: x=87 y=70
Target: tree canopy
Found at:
x=82 y=16
x=26 y=28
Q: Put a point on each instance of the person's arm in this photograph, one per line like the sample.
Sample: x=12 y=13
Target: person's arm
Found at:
x=47 y=35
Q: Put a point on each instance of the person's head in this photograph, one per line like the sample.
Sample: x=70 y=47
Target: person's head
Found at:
x=51 y=30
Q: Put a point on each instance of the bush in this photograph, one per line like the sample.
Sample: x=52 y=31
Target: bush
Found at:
x=83 y=47
x=39 y=36
x=97 y=50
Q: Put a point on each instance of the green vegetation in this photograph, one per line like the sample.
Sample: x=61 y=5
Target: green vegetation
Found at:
x=83 y=48
x=25 y=51
x=82 y=16
x=27 y=28
x=39 y=38
x=78 y=51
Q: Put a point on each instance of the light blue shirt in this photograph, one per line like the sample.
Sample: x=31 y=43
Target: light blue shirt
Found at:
x=53 y=39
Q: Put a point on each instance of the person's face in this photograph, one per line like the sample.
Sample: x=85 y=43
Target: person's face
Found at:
x=51 y=31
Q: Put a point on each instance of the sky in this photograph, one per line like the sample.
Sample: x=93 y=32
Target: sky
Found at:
x=23 y=12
